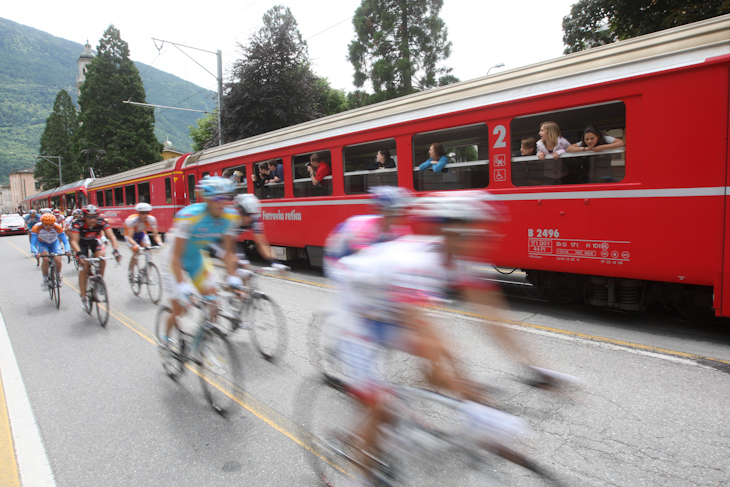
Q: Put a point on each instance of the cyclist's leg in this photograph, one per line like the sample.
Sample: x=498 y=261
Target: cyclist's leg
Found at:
x=43 y=250
x=205 y=282
x=85 y=246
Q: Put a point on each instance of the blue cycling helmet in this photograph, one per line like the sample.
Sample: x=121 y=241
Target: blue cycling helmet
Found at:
x=215 y=186
x=391 y=198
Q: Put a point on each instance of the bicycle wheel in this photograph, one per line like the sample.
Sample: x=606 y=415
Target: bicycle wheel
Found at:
x=173 y=350
x=53 y=283
x=51 y=278
x=102 y=301
x=154 y=283
x=135 y=282
x=323 y=337
x=218 y=369
x=268 y=327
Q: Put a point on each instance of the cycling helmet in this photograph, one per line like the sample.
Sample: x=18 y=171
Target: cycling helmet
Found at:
x=45 y=210
x=56 y=211
x=77 y=212
x=32 y=212
x=247 y=204
x=90 y=210
x=464 y=207
x=48 y=219
x=143 y=207
x=215 y=185
x=391 y=198
x=69 y=212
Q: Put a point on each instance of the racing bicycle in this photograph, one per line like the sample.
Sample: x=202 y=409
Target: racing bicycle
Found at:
x=54 y=282
x=198 y=341
x=145 y=272
x=96 y=292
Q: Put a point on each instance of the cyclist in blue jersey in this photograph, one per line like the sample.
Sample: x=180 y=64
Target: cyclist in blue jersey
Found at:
x=195 y=228
x=30 y=220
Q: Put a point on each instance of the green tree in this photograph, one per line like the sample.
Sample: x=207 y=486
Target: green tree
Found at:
x=398 y=46
x=57 y=140
x=114 y=136
x=598 y=22
x=272 y=85
x=205 y=132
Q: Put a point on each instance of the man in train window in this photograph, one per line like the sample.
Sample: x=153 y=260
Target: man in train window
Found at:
x=318 y=169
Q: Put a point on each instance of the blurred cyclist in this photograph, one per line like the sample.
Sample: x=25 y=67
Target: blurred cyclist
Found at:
x=44 y=240
x=136 y=227
x=86 y=236
x=195 y=228
x=31 y=219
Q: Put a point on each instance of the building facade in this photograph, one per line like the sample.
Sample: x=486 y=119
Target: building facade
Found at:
x=22 y=185
x=6 y=199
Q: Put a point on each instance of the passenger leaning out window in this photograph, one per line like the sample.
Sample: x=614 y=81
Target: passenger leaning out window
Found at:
x=550 y=146
x=594 y=140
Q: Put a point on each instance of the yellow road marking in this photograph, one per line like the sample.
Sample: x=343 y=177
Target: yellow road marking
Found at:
x=9 y=476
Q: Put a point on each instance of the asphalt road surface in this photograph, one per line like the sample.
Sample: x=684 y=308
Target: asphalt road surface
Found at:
x=90 y=406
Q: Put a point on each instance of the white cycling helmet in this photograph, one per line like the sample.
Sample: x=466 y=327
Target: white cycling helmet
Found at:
x=463 y=207
x=44 y=211
x=247 y=203
x=391 y=198
x=143 y=207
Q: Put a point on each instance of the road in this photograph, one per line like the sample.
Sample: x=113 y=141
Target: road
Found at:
x=653 y=410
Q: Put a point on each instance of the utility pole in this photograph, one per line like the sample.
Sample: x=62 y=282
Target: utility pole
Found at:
x=218 y=78
x=60 y=172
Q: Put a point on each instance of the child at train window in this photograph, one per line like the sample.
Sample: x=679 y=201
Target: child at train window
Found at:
x=551 y=142
x=528 y=147
x=594 y=140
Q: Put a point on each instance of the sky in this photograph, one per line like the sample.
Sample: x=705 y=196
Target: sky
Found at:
x=483 y=33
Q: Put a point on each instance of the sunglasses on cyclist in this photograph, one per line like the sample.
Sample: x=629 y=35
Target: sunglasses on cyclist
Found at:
x=220 y=197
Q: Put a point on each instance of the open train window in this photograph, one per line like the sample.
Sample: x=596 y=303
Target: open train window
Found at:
x=71 y=201
x=571 y=167
x=118 y=196
x=303 y=185
x=191 y=188
x=467 y=151
x=268 y=179
x=143 y=189
x=83 y=201
x=237 y=175
x=370 y=164
x=108 y=197
x=131 y=194
x=99 y=198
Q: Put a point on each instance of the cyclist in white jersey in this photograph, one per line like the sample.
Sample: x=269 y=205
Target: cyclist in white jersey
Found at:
x=136 y=227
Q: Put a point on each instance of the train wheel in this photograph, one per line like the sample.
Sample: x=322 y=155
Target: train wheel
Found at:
x=696 y=306
x=558 y=287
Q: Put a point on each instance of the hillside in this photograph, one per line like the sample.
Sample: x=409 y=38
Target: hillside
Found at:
x=35 y=66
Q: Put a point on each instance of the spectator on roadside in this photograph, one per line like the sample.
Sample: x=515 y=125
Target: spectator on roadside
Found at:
x=318 y=169
x=551 y=143
x=382 y=161
x=276 y=170
x=594 y=140
x=437 y=161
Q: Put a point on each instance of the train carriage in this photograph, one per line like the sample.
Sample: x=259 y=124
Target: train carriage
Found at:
x=629 y=226
x=160 y=184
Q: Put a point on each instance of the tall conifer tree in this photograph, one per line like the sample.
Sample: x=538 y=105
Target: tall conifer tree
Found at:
x=114 y=136
x=57 y=140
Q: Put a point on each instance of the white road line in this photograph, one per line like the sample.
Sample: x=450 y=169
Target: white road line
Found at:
x=33 y=465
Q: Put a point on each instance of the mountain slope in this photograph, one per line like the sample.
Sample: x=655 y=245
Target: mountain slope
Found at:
x=35 y=66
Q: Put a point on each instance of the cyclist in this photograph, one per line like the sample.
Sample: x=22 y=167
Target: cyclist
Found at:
x=136 y=227
x=59 y=216
x=195 y=228
x=44 y=240
x=85 y=236
x=31 y=219
x=387 y=285
x=361 y=231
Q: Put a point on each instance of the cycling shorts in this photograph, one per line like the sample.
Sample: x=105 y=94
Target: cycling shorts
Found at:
x=202 y=275
x=51 y=248
x=93 y=245
x=142 y=239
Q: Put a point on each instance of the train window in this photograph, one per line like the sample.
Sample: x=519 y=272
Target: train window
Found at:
x=237 y=174
x=143 y=189
x=108 y=197
x=119 y=196
x=168 y=191
x=370 y=164
x=71 y=201
x=303 y=185
x=56 y=202
x=100 y=198
x=467 y=151
x=131 y=194
x=269 y=182
x=573 y=167
x=82 y=200
x=191 y=188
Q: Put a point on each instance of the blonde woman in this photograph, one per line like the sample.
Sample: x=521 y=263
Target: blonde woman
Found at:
x=551 y=143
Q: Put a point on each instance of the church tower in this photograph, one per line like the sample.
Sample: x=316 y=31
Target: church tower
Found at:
x=84 y=59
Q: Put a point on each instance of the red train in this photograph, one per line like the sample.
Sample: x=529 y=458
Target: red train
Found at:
x=629 y=227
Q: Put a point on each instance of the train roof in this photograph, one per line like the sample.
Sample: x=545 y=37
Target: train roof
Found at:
x=76 y=184
x=139 y=172
x=686 y=45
